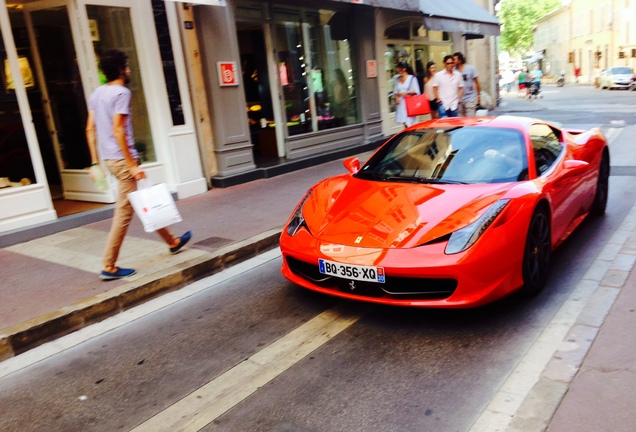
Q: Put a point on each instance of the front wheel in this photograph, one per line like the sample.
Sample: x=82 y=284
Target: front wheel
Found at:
x=536 y=256
x=602 y=187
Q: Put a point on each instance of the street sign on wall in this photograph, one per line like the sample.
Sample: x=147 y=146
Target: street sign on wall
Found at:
x=227 y=73
x=372 y=69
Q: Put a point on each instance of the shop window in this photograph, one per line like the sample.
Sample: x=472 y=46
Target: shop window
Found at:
x=398 y=31
x=315 y=68
x=409 y=41
x=106 y=36
x=167 y=59
x=16 y=166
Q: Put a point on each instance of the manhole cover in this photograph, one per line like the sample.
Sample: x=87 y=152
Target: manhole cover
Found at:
x=214 y=242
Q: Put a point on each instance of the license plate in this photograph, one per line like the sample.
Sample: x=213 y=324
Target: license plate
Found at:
x=348 y=271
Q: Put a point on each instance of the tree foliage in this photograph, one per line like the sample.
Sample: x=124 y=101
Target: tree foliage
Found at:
x=518 y=20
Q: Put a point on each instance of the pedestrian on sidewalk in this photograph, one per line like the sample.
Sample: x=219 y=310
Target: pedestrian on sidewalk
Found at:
x=471 y=94
x=405 y=85
x=448 y=86
x=110 y=125
x=431 y=70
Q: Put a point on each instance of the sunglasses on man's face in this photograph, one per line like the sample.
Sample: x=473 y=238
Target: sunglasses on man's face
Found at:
x=450 y=63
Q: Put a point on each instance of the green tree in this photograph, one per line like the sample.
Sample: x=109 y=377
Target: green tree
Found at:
x=517 y=18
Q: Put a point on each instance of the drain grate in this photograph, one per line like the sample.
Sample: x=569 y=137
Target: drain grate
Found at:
x=214 y=242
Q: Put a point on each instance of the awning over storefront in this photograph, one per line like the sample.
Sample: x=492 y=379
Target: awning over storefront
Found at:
x=456 y=16
x=461 y=16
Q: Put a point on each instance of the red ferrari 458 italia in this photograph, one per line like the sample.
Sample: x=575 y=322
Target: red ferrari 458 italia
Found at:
x=448 y=213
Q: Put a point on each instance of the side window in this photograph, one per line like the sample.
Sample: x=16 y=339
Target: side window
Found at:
x=545 y=146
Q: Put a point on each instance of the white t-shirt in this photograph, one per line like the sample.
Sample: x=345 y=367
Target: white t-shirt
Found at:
x=448 y=85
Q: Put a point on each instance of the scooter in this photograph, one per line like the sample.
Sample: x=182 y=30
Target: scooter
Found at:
x=561 y=80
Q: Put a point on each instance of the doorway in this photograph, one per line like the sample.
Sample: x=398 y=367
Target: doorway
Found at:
x=62 y=109
x=258 y=94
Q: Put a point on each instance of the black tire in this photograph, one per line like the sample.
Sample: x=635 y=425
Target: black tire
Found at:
x=602 y=186
x=537 y=251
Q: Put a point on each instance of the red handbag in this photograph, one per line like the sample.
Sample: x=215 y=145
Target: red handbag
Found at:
x=417 y=105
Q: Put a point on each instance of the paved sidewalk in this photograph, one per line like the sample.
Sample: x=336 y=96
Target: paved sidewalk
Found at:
x=50 y=285
x=50 y=288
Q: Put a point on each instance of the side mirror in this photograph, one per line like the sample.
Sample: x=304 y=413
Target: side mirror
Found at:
x=352 y=164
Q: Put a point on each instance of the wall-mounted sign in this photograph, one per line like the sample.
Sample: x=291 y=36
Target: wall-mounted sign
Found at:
x=205 y=2
x=372 y=69
x=188 y=25
x=228 y=75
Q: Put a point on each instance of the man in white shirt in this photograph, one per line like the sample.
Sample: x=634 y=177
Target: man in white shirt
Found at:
x=448 y=86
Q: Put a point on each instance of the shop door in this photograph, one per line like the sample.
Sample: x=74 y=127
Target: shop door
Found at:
x=60 y=114
x=66 y=56
x=108 y=24
x=258 y=94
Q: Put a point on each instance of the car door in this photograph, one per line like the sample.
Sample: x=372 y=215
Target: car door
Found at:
x=557 y=182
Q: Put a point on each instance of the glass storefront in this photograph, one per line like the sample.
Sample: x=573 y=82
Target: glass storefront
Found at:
x=107 y=36
x=315 y=68
x=16 y=167
x=410 y=42
x=49 y=56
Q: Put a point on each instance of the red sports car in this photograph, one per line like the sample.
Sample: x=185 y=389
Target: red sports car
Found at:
x=448 y=213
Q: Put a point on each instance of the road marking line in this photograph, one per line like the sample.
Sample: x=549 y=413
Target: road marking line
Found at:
x=209 y=402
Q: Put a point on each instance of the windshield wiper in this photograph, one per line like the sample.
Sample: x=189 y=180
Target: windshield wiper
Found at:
x=440 y=181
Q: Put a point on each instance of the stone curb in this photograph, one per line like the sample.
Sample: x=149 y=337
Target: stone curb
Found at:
x=542 y=402
x=22 y=337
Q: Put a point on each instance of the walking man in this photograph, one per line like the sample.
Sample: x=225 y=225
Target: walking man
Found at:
x=110 y=124
x=470 y=98
x=448 y=86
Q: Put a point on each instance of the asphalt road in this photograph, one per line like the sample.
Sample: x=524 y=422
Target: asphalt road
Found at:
x=252 y=352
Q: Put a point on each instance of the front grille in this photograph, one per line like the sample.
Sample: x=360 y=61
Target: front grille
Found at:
x=394 y=287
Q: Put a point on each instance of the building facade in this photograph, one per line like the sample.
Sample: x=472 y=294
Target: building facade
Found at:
x=588 y=35
x=317 y=76
x=220 y=88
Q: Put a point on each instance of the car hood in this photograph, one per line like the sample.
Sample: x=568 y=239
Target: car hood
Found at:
x=353 y=212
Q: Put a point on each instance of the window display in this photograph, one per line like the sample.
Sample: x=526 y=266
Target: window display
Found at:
x=315 y=69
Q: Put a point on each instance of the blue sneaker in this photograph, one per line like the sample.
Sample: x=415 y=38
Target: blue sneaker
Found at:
x=120 y=273
x=183 y=240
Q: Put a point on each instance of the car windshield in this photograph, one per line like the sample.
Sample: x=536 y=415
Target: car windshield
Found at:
x=462 y=155
x=621 y=71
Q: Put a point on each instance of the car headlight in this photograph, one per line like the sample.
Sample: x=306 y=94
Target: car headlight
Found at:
x=464 y=238
x=297 y=220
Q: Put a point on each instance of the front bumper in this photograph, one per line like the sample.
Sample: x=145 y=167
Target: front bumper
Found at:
x=422 y=276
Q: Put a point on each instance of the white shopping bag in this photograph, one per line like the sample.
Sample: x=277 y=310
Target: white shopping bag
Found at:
x=154 y=206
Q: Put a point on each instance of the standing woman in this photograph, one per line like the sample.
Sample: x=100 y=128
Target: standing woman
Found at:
x=405 y=85
x=431 y=68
